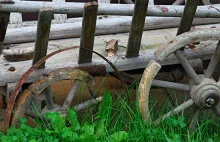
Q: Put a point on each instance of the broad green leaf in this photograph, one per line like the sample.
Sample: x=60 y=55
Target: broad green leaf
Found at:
x=4 y=138
x=87 y=129
x=169 y=140
x=74 y=137
x=1 y=134
x=55 y=140
x=176 y=138
x=23 y=120
x=100 y=127
x=210 y=140
x=181 y=118
x=182 y=125
x=118 y=136
x=49 y=138
x=72 y=118
x=40 y=140
x=57 y=122
x=90 y=138
x=48 y=131
x=12 y=131
x=87 y=133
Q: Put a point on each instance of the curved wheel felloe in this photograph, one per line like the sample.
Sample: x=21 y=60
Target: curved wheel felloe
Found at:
x=144 y=88
x=40 y=90
x=203 y=90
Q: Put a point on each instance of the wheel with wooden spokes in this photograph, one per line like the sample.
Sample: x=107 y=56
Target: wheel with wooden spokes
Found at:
x=40 y=91
x=203 y=89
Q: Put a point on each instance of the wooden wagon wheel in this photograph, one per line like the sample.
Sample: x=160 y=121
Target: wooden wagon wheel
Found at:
x=203 y=90
x=42 y=86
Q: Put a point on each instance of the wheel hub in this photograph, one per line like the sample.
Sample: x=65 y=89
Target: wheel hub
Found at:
x=208 y=98
x=210 y=102
x=206 y=94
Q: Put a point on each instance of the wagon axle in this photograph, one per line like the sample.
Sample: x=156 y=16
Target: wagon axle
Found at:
x=210 y=102
x=206 y=94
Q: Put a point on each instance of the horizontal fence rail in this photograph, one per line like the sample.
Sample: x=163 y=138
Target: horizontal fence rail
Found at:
x=211 y=11
x=90 y=10
x=121 y=25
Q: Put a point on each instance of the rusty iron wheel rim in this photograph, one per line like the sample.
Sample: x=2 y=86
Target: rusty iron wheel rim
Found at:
x=37 y=87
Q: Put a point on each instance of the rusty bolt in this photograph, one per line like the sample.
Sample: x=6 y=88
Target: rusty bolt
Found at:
x=12 y=69
x=210 y=102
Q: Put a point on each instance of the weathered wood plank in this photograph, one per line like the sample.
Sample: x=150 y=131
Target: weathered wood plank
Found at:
x=121 y=64
x=206 y=2
x=104 y=1
x=115 y=25
x=208 y=11
x=153 y=39
x=34 y=23
x=43 y=32
x=178 y=2
x=188 y=15
x=23 y=51
x=88 y=32
x=4 y=19
x=59 y=17
x=7 y=1
x=18 y=54
x=151 y=2
x=15 y=18
x=128 y=1
x=185 y=39
x=137 y=26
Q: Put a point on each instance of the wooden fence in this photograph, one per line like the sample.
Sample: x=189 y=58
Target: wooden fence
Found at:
x=58 y=9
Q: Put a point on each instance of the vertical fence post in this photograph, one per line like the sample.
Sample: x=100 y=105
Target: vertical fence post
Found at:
x=137 y=26
x=43 y=32
x=188 y=15
x=4 y=19
x=88 y=32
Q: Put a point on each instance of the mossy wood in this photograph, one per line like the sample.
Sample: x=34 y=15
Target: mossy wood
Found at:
x=88 y=32
x=43 y=32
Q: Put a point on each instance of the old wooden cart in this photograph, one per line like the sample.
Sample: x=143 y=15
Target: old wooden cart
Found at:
x=55 y=33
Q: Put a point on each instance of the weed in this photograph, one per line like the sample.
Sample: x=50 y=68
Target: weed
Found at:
x=68 y=128
x=114 y=122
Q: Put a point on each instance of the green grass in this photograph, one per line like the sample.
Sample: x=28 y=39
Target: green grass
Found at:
x=116 y=120
x=126 y=117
